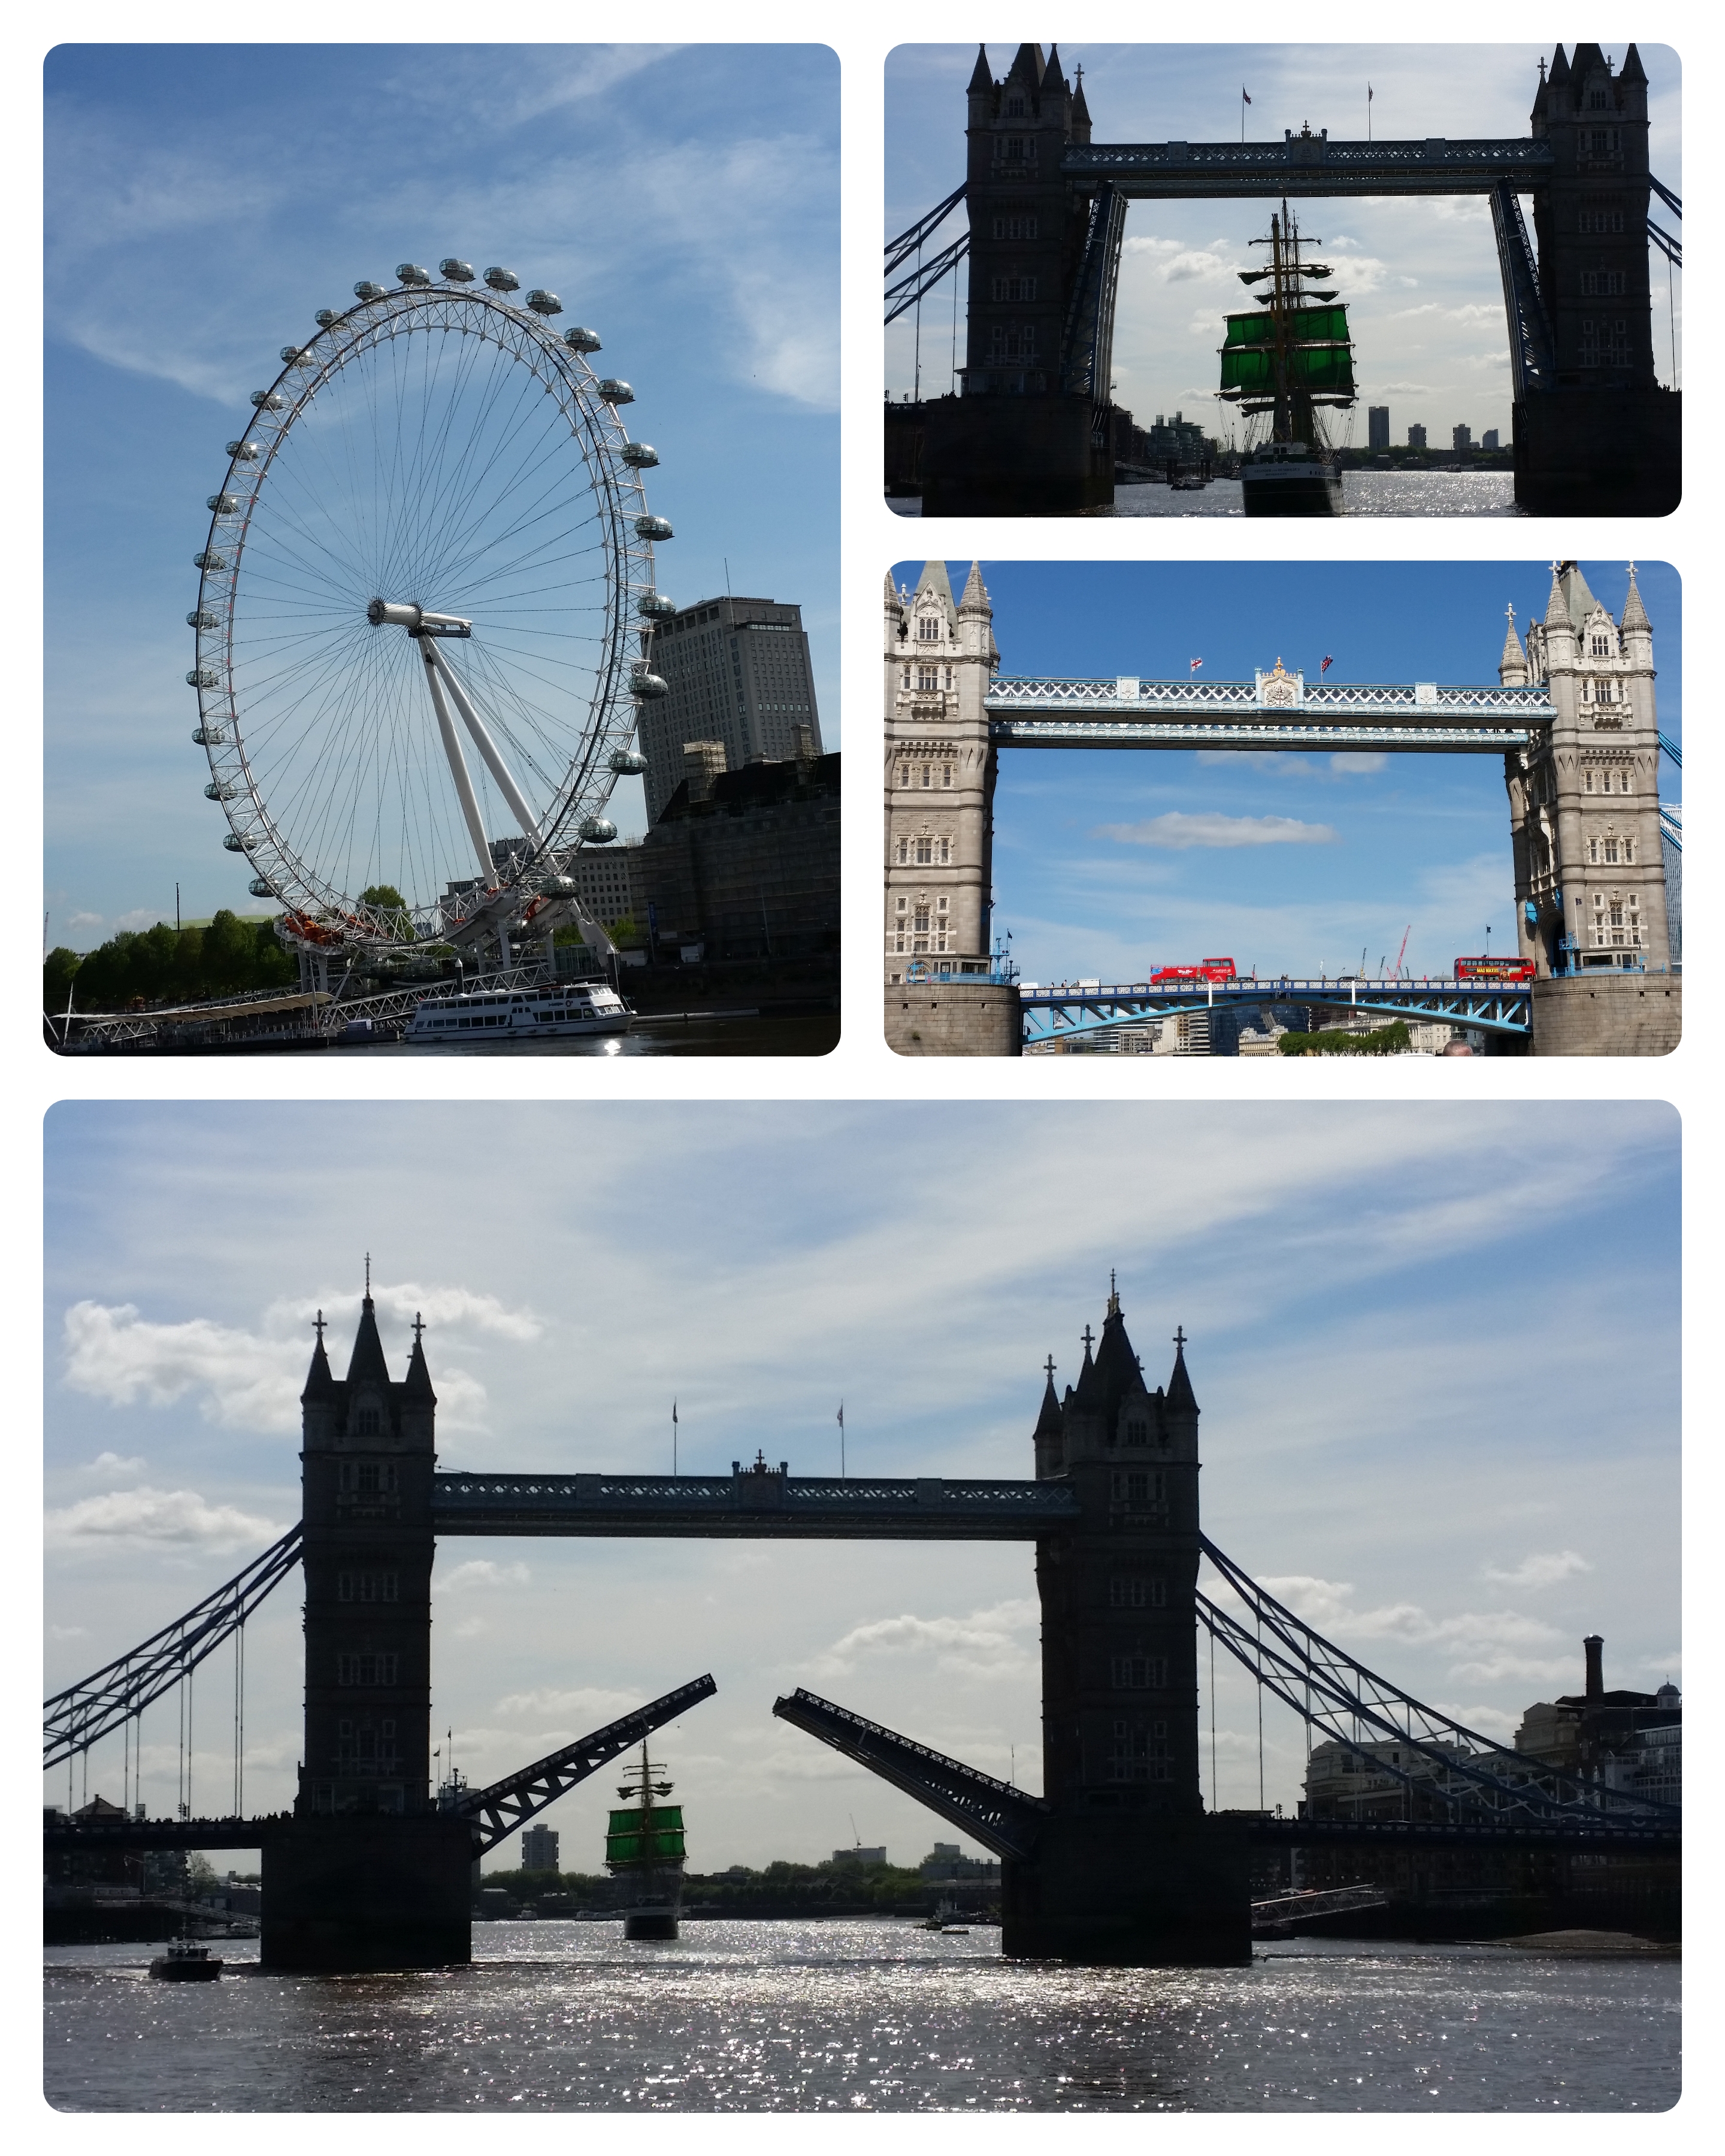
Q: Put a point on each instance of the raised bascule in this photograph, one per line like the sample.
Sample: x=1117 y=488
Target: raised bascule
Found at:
x=1573 y=714
x=1031 y=431
x=1118 y=1860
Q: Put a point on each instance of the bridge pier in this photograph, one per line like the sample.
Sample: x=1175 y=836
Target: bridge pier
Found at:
x=1132 y=1891
x=1599 y=452
x=348 y=1894
x=1608 y=1014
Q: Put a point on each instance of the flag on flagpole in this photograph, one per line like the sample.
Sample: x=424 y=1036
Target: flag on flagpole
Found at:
x=1243 y=99
x=841 y=1440
x=1194 y=665
x=674 y=1437
x=1325 y=668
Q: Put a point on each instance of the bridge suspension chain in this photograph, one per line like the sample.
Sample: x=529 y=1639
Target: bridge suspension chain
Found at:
x=1336 y=1695
x=80 y=1716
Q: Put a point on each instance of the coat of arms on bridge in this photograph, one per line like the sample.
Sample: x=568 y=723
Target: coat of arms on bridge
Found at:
x=1281 y=691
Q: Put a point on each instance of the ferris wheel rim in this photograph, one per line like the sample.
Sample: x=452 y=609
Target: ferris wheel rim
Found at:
x=315 y=911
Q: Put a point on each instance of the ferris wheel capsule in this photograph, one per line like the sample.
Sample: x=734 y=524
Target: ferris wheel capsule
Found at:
x=224 y=505
x=260 y=887
x=502 y=281
x=201 y=677
x=233 y=843
x=410 y=273
x=625 y=761
x=655 y=606
x=247 y=452
x=366 y=289
x=325 y=316
x=266 y=400
x=209 y=559
x=209 y=736
x=457 y=271
x=545 y=303
x=216 y=791
x=653 y=527
x=640 y=455
x=597 y=830
x=643 y=681
x=616 y=392
x=580 y=339
x=201 y=618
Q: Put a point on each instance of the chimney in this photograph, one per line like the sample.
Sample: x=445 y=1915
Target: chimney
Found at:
x=703 y=761
x=1593 y=1646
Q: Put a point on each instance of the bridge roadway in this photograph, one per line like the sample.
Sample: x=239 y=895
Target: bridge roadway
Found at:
x=1276 y=710
x=753 y=1501
x=1053 y=1012
x=1307 y=164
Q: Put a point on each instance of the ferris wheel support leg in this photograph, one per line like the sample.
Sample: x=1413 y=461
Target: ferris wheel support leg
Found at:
x=458 y=767
x=487 y=748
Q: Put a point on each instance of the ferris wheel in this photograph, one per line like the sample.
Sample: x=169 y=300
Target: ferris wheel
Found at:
x=424 y=621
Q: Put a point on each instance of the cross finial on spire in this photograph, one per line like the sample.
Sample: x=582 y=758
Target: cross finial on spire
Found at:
x=1050 y=1366
x=368 y=1276
x=1511 y=609
x=318 y=1321
x=1179 y=1339
x=419 y=1328
x=1087 y=1336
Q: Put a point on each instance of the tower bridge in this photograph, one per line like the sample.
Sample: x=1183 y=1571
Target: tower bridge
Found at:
x=1031 y=429
x=1118 y=1860
x=1572 y=713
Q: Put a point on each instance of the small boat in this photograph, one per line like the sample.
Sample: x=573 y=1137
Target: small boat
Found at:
x=541 y=1013
x=942 y=1921
x=184 y=1963
x=1288 y=361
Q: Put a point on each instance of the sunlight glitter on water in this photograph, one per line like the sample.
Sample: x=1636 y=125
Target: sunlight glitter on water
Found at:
x=866 y=2015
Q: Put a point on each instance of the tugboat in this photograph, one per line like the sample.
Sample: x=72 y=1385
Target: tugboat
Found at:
x=185 y=1963
x=541 y=1013
x=644 y=1848
x=1288 y=361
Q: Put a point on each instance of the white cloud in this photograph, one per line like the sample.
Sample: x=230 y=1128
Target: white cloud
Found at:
x=87 y=920
x=1326 y=1604
x=1540 y=1570
x=997 y=1642
x=110 y=1463
x=481 y=1571
x=400 y=1304
x=1358 y=760
x=573 y=1711
x=1177 y=831
x=145 y=1515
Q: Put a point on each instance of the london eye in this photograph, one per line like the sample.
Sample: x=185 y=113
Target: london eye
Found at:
x=424 y=619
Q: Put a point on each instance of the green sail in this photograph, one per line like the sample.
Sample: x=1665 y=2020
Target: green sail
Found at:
x=651 y=1837
x=1319 y=354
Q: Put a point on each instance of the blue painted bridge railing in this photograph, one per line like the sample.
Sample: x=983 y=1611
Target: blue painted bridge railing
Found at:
x=1062 y=1013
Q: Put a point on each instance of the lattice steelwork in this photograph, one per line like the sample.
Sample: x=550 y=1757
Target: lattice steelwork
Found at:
x=1002 y=1818
x=1302 y=165
x=748 y=1502
x=1351 y=1704
x=495 y=1811
x=1052 y=1014
x=76 y=1719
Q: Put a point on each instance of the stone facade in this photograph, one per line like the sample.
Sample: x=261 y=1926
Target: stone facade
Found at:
x=752 y=869
x=954 y=1018
x=736 y=671
x=939 y=777
x=1608 y=1014
x=1589 y=866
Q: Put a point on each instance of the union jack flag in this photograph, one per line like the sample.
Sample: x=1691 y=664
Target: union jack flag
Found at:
x=1193 y=665
x=1325 y=668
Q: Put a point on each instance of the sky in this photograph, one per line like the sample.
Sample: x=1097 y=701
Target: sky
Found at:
x=203 y=202
x=1403 y=1436
x=1420 y=277
x=1109 y=863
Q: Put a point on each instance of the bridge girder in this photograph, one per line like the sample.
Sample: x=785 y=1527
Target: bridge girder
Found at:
x=1309 y=166
x=1047 y=1012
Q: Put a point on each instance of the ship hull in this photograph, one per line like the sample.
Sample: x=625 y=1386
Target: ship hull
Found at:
x=1294 y=487
x=654 y=1903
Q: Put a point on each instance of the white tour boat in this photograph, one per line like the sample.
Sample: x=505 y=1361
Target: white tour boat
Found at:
x=544 y=1014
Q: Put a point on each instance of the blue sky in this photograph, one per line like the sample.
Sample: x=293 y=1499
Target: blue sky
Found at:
x=1367 y=847
x=1396 y=1436
x=1420 y=277
x=204 y=200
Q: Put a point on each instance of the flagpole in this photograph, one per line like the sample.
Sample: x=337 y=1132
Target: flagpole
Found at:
x=674 y=1437
x=841 y=1440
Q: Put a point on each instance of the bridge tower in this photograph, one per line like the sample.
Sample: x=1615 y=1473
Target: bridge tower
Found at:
x=1604 y=439
x=1589 y=867
x=1130 y=1868
x=1029 y=433
x=371 y=1875
x=939 y=774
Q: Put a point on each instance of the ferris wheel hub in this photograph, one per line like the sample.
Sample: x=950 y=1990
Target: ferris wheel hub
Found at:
x=417 y=620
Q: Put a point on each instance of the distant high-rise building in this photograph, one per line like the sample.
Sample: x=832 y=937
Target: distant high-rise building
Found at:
x=1488 y=440
x=539 y=1849
x=738 y=673
x=1462 y=439
x=1416 y=437
x=1378 y=424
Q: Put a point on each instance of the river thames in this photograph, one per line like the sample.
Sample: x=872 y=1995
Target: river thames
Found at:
x=867 y=2016
x=1363 y=494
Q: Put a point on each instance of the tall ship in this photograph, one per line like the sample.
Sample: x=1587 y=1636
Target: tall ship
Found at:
x=1286 y=363
x=644 y=1849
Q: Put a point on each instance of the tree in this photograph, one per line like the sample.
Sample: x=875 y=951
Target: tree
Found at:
x=59 y=970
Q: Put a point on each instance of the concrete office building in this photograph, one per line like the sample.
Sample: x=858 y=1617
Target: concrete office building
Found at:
x=1461 y=440
x=539 y=1849
x=1416 y=436
x=738 y=673
x=1378 y=426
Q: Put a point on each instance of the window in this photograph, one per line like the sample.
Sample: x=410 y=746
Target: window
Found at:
x=1133 y=1487
x=1014 y=108
x=1617 y=344
x=1138 y=1430
x=1589 y=342
x=927 y=777
x=1139 y=1752
x=1020 y=150
x=929 y=677
x=1012 y=288
x=902 y=903
x=945 y=854
x=919 y=920
x=1011 y=340
x=1596 y=100
x=1603 y=284
x=1137 y=1672
x=925 y=849
x=367 y=1423
x=1137 y=1594
x=369 y=1587
x=904 y=855
x=1600 y=214
x=942 y=905
x=1015 y=228
x=367 y=1669
x=928 y=628
x=1599 y=645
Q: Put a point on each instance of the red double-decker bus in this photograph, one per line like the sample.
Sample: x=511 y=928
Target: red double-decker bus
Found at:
x=1206 y=969
x=1494 y=969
